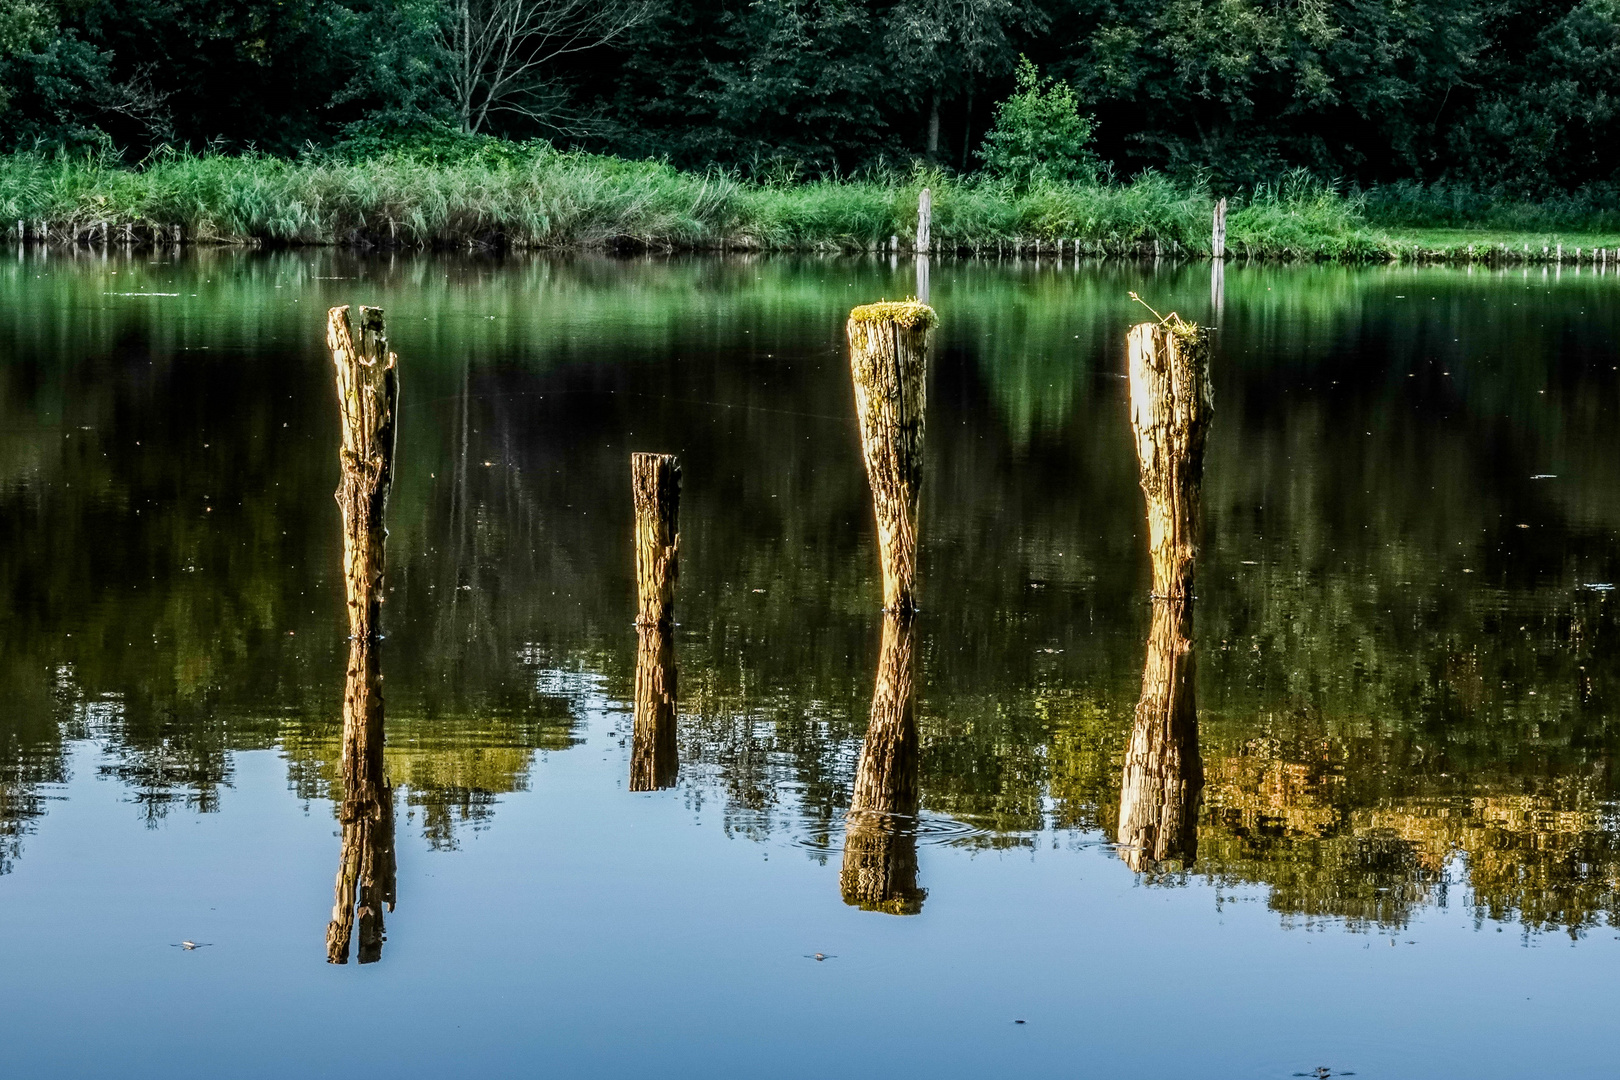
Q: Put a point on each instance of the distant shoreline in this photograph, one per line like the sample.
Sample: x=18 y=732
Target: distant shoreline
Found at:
x=539 y=199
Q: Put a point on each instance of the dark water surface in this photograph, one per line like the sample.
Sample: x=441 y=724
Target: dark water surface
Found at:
x=1408 y=857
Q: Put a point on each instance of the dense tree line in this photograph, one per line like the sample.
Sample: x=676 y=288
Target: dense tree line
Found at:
x=1513 y=94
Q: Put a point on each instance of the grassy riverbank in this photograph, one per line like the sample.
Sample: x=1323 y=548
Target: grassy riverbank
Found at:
x=534 y=197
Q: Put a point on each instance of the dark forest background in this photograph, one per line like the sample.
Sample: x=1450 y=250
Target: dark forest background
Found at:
x=1511 y=96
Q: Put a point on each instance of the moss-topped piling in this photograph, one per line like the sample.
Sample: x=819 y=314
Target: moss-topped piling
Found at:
x=888 y=359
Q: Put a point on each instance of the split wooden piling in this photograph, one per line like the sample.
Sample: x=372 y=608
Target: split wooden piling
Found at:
x=655 y=481
x=368 y=404
x=925 y=221
x=879 y=871
x=1171 y=409
x=655 y=761
x=888 y=357
x=1217 y=242
x=1171 y=405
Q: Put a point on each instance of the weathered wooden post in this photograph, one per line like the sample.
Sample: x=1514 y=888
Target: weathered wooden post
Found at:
x=655 y=761
x=880 y=841
x=1217 y=243
x=1171 y=408
x=368 y=402
x=1170 y=411
x=1163 y=776
x=655 y=481
x=925 y=214
x=368 y=407
x=888 y=359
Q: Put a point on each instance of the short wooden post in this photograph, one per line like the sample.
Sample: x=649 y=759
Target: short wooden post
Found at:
x=1163 y=775
x=888 y=358
x=1171 y=406
x=654 y=757
x=655 y=481
x=1217 y=243
x=368 y=408
x=925 y=214
x=880 y=842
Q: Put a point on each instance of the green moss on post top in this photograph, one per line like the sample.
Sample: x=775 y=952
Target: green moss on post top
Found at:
x=907 y=314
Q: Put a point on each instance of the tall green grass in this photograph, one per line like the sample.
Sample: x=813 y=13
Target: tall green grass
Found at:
x=534 y=196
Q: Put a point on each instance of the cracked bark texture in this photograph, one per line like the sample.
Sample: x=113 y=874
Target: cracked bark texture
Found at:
x=888 y=358
x=655 y=481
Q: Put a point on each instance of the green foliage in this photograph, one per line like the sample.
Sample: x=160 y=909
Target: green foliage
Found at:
x=1300 y=217
x=1502 y=99
x=1039 y=133
x=450 y=189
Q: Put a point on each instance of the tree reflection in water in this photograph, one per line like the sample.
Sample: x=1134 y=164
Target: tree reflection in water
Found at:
x=1374 y=723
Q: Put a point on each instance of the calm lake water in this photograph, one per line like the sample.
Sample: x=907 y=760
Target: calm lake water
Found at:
x=1408 y=858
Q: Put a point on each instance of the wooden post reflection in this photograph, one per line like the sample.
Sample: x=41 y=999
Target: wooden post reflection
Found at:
x=1163 y=776
x=368 y=393
x=880 y=841
x=655 y=761
x=1164 y=772
x=366 y=870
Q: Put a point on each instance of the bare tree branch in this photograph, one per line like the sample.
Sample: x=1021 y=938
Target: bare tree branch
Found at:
x=503 y=52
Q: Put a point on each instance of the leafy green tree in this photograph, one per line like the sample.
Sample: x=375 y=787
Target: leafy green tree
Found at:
x=785 y=87
x=54 y=86
x=1039 y=133
x=944 y=47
